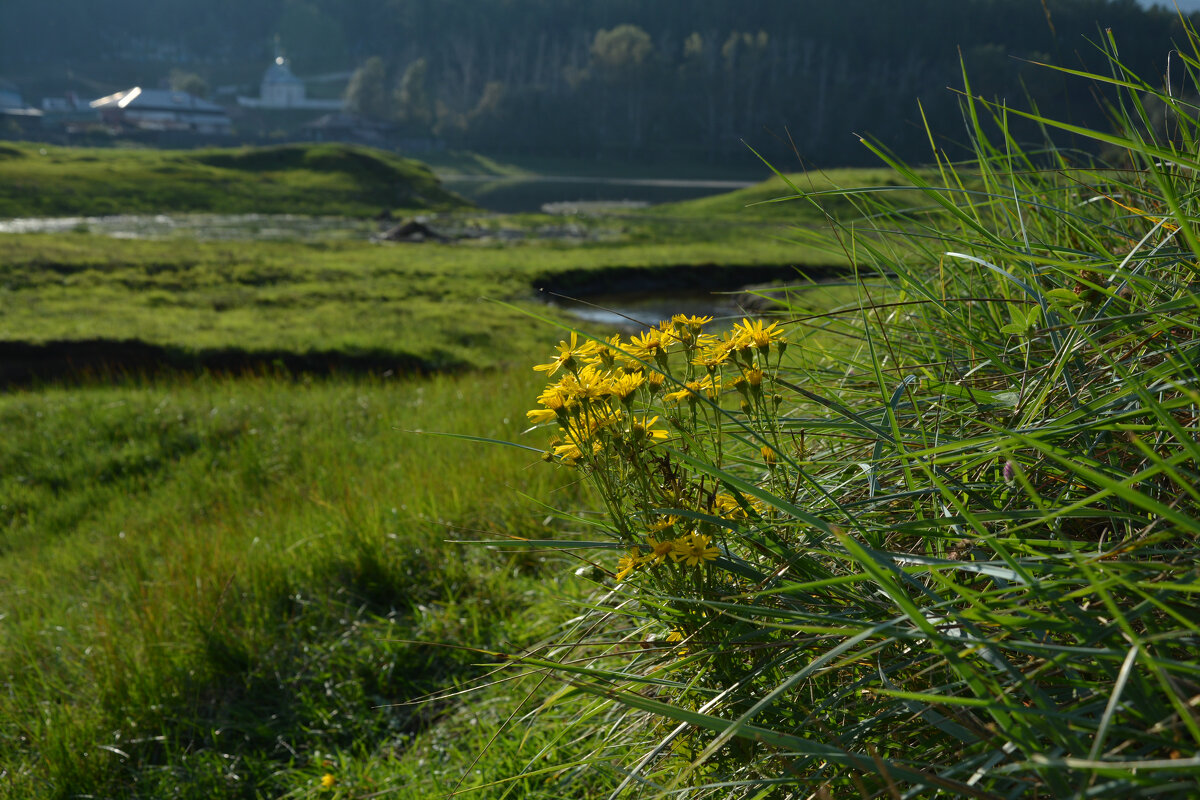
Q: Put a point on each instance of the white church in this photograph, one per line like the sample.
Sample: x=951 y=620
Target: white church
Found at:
x=282 y=90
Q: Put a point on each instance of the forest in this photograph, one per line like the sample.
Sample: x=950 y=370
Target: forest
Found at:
x=697 y=80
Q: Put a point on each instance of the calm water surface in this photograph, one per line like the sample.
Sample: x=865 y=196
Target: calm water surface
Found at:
x=565 y=193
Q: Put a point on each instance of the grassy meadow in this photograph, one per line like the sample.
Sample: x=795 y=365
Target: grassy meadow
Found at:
x=228 y=561
x=220 y=587
x=929 y=531
x=78 y=299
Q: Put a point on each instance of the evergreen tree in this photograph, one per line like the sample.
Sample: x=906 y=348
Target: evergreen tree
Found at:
x=365 y=94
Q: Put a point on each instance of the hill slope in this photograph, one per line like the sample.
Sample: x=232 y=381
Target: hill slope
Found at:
x=39 y=180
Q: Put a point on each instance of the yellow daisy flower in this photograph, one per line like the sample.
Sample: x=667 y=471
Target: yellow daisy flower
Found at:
x=727 y=506
x=693 y=322
x=567 y=353
x=641 y=428
x=623 y=386
x=541 y=415
x=659 y=551
x=650 y=345
x=589 y=384
x=606 y=354
x=769 y=455
x=709 y=385
x=757 y=334
x=628 y=564
x=694 y=550
x=662 y=523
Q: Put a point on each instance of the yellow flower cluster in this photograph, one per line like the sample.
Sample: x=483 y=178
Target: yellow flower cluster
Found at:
x=694 y=550
x=615 y=371
x=602 y=401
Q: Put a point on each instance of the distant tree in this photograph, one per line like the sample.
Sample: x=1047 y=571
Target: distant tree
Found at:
x=190 y=82
x=365 y=94
x=620 y=54
x=698 y=97
x=451 y=124
x=414 y=106
x=312 y=39
x=621 y=60
x=745 y=56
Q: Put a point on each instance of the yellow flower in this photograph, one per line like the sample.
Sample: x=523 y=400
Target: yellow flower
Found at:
x=589 y=384
x=649 y=345
x=568 y=453
x=758 y=335
x=628 y=564
x=663 y=522
x=727 y=506
x=606 y=353
x=658 y=551
x=769 y=455
x=625 y=385
x=539 y=415
x=694 y=550
x=567 y=353
x=691 y=391
x=642 y=428
x=327 y=781
x=714 y=354
x=693 y=322
x=554 y=397
x=675 y=635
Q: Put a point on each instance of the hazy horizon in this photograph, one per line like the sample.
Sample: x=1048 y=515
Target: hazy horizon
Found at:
x=1184 y=5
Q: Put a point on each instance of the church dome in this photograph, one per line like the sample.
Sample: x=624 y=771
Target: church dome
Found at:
x=279 y=73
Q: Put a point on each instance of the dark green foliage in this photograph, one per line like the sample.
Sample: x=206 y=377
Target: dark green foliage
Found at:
x=697 y=77
x=366 y=95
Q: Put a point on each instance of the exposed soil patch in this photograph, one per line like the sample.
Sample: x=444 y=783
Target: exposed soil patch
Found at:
x=86 y=360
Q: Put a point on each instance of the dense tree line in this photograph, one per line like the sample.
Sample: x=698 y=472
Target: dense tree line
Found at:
x=695 y=77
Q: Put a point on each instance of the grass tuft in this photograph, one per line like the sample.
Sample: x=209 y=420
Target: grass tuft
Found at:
x=940 y=541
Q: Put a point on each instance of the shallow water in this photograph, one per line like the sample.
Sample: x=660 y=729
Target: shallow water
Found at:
x=629 y=311
x=278 y=227
x=569 y=194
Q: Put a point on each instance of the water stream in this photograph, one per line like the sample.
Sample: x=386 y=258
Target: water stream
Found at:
x=279 y=227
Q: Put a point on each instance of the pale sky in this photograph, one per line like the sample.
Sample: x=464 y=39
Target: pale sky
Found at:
x=1184 y=5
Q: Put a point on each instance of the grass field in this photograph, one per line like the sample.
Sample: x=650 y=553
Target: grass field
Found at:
x=79 y=299
x=940 y=542
x=212 y=586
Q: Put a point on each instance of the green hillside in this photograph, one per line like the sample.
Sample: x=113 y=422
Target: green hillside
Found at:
x=336 y=179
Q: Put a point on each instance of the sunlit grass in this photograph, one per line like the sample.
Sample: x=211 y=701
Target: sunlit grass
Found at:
x=332 y=179
x=947 y=548
x=208 y=580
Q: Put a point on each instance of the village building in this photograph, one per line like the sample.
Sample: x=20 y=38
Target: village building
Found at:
x=281 y=90
x=9 y=96
x=162 y=110
x=14 y=111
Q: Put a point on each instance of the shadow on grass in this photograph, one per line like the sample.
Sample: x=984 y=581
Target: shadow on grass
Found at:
x=88 y=360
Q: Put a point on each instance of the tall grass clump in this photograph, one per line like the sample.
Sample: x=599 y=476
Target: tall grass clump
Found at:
x=942 y=541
